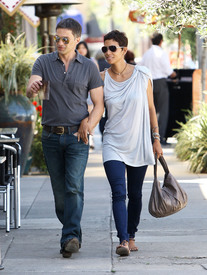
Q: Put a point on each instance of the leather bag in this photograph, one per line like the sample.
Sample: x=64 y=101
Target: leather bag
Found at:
x=168 y=199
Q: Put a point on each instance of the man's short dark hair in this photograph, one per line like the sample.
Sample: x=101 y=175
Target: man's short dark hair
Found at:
x=70 y=24
x=117 y=36
x=157 y=38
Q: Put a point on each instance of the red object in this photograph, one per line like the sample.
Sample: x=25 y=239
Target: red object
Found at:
x=39 y=108
x=136 y=16
x=94 y=39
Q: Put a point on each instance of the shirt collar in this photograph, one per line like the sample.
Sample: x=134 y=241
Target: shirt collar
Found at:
x=78 y=57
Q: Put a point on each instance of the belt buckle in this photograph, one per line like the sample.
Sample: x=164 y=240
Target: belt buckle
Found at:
x=60 y=130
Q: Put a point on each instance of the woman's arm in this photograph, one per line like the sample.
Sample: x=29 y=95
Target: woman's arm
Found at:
x=153 y=121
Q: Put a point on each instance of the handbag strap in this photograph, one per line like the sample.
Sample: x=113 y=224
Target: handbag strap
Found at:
x=155 y=168
x=163 y=163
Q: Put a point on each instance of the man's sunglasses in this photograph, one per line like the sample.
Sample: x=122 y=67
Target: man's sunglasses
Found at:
x=111 y=48
x=64 y=39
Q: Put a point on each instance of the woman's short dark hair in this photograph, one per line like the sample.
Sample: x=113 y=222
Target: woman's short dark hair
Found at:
x=86 y=46
x=157 y=38
x=117 y=36
x=129 y=57
x=70 y=24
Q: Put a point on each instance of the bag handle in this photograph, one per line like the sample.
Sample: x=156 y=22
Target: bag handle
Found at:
x=164 y=165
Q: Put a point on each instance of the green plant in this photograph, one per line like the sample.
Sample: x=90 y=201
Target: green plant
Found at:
x=16 y=61
x=38 y=160
x=9 y=24
x=192 y=141
x=188 y=36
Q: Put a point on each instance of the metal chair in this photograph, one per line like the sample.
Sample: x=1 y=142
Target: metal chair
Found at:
x=10 y=184
x=5 y=184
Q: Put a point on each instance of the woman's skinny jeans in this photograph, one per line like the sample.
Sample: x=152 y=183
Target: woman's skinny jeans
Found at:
x=126 y=220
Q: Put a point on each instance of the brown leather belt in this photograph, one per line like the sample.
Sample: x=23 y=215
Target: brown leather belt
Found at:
x=60 y=130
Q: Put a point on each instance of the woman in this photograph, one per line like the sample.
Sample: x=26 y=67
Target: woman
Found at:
x=127 y=141
x=82 y=48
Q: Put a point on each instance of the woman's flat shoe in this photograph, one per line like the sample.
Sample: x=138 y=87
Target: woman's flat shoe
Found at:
x=123 y=249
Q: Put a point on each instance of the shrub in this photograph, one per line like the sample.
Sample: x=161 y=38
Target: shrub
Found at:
x=38 y=159
x=192 y=141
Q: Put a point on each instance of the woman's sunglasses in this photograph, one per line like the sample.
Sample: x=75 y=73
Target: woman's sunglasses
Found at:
x=111 y=48
x=64 y=39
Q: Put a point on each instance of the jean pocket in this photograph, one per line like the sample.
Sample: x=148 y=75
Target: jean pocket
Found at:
x=75 y=134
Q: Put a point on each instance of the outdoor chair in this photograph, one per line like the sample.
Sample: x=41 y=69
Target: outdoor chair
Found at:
x=10 y=181
x=5 y=189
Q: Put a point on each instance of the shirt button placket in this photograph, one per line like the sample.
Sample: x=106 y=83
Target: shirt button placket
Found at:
x=64 y=66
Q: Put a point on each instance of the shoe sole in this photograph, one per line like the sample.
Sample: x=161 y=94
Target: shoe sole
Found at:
x=72 y=246
x=122 y=251
x=66 y=254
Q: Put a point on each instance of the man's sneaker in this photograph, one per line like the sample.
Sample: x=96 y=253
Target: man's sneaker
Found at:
x=72 y=245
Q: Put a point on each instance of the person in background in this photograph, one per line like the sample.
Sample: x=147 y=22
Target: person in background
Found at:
x=103 y=64
x=127 y=144
x=66 y=125
x=129 y=57
x=157 y=61
x=82 y=48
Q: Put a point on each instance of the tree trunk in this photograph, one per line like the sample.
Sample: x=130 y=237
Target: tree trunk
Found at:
x=203 y=69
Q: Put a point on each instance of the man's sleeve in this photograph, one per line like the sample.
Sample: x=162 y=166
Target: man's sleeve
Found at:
x=95 y=80
x=37 y=68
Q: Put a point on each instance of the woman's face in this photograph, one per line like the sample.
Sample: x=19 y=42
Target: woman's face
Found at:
x=82 y=50
x=111 y=56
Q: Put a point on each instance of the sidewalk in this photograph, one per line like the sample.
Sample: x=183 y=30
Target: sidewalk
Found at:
x=171 y=245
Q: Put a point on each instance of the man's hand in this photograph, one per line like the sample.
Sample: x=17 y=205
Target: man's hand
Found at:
x=34 y=85
x=83 y=131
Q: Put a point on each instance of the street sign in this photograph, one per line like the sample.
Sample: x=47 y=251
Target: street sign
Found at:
x=10 y=6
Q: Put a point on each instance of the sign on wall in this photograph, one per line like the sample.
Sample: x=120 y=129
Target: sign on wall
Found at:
x=28 y=12
x=11 y=6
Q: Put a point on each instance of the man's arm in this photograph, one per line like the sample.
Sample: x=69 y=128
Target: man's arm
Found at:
x=89 y=123
x=173 y=74
x=34 y=85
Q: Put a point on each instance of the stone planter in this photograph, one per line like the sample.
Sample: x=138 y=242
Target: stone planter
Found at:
x=19 y=112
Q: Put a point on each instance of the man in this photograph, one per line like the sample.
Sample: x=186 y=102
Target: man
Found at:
x=157 y=61
x=67 y=124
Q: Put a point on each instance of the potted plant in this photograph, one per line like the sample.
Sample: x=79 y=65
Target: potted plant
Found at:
x=16 y=110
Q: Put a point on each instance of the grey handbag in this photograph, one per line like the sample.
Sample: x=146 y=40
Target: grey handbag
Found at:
x=168 y=199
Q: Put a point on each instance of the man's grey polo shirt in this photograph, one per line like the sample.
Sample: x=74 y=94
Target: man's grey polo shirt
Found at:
x=67 y=104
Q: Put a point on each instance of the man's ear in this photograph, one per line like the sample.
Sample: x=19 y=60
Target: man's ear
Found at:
x=78 y=39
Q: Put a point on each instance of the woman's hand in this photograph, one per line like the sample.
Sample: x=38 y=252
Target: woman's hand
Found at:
x=157 y=149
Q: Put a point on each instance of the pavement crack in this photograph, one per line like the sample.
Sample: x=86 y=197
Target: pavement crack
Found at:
x=35 y=198
x=204 y=266
x=7 y=250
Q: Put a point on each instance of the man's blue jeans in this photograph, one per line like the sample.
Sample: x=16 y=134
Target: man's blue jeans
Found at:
x=126 y=220
x=66 y=160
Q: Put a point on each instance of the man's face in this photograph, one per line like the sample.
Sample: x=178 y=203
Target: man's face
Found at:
x=65 y=41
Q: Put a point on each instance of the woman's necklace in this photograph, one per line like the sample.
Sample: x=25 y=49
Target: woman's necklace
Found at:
x=120 y=72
